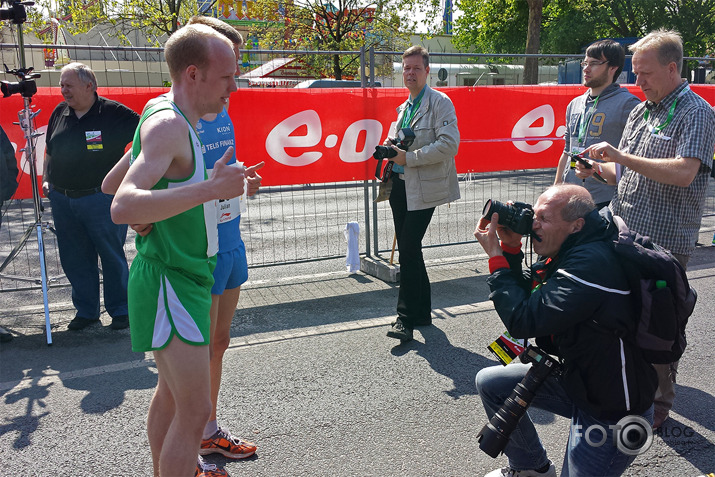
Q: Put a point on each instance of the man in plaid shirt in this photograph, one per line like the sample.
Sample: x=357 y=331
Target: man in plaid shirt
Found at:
x=662 y=164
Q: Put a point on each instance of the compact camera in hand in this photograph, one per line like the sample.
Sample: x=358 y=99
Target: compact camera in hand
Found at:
x=405 y=138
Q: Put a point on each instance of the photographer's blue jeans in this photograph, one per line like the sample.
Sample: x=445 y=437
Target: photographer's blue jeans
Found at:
x=525 y=450
x=85 y=231
x=414 y=302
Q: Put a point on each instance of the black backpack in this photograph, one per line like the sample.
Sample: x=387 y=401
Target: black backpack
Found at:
x=663 y=298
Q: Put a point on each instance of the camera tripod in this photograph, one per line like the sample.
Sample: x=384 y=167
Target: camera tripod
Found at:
x=26 y=122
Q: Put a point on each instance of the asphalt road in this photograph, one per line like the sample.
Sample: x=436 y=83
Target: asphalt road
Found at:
x=312 y=379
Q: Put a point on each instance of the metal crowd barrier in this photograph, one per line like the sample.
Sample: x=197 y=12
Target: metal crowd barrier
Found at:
x=303 y=223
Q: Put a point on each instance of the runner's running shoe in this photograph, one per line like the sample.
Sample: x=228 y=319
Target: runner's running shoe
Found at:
x=224 y=443
x=208 y=470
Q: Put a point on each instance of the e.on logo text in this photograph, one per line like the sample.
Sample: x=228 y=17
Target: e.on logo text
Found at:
x=282 y=137
x=299 y=139
x=537 y=123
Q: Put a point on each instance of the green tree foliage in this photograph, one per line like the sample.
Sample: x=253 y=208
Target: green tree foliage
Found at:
x=500 y=26
x=345 y=25
x=153 y=18
x=493 y=26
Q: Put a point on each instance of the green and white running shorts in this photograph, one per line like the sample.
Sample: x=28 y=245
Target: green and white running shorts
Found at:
x=166 y=302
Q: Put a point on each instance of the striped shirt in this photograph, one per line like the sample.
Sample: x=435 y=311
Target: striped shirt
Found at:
x=669 y=214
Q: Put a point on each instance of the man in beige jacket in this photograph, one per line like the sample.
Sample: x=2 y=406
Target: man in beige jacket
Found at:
x=423 y=177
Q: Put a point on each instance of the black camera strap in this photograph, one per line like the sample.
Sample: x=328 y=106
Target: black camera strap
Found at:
x=388 y=171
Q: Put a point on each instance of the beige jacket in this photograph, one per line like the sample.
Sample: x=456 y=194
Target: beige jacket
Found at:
x=430 y=173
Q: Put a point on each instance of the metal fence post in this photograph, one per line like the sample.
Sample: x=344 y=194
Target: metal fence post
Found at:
x=374 y=218
x=363 y=80
x=372 y=66
x=366 y=194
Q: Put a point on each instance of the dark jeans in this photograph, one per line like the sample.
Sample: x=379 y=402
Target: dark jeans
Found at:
x=414 y=303
x=85 y=231
x=582 y=457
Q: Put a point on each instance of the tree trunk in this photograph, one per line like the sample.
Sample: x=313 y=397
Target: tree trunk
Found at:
x=336 y=67
x=533 y=40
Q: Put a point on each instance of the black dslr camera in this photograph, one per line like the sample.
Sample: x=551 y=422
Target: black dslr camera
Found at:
x=15 y=11
x=517 y=217
x=26 y=86
x=405 y=138
x=494 y=436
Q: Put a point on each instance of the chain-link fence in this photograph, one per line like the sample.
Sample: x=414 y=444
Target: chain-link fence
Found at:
x=145 y=66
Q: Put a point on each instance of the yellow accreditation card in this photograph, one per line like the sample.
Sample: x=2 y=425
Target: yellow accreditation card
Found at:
x=506 y=348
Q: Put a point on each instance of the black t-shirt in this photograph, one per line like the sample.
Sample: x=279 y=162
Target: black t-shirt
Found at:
x=82 y=151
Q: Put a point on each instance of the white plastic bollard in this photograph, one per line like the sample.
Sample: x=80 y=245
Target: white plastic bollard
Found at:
x=352 y=234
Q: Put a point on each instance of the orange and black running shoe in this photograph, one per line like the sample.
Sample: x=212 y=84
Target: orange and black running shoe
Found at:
x=208 y=470
x=224 y=443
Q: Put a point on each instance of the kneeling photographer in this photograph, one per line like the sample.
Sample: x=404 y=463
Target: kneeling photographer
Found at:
x=575 y=301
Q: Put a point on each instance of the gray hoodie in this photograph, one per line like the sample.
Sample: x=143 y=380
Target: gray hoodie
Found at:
x=605 y=123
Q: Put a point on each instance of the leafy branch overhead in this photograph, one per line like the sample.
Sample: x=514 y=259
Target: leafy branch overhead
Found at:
x=341 y=25
x=151 y=18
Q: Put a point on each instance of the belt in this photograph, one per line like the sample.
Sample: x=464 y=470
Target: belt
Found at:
x=77 y=193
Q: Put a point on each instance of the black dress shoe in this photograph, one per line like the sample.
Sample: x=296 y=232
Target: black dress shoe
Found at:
x=80 y=323
x=5 y=335
x=120 y=322
x=400 y=331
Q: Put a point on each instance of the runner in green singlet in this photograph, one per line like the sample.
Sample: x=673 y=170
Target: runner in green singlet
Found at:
x=171 y=278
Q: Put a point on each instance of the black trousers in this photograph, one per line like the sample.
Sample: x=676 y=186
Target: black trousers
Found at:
x=414 y=303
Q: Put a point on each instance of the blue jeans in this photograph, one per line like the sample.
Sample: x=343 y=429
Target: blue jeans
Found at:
x=525 y=450
x=85 y=231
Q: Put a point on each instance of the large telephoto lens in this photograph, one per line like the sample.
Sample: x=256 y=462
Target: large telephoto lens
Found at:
x=494 y=436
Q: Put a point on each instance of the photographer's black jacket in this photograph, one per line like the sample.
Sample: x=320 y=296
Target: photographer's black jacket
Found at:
x=576 y=305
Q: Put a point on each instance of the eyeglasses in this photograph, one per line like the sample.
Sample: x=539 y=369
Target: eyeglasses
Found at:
x=592 y=63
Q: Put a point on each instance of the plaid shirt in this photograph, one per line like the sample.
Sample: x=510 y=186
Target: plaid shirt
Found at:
x=669 y=214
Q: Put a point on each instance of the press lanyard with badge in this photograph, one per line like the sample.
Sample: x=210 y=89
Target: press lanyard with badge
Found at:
x=583 y=127
x=656 y=130
x=407 y=118
x=405 y=138
x=412 y=110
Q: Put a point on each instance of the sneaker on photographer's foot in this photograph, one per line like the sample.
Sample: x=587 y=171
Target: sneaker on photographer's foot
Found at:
x=659 y=417
x=5 y=335
x=509 y=472
x=222 y=442
x=208 y=470
x=400 y=331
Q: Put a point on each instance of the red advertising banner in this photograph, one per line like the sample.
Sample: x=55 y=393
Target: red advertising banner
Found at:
x=329 y=135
